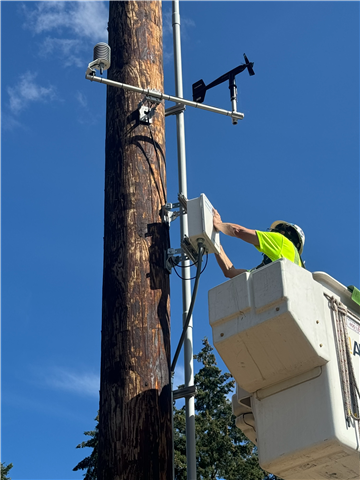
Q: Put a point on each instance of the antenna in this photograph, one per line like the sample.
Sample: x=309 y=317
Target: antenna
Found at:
x=199 y=88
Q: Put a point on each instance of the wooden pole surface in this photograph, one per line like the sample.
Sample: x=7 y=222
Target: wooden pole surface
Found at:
x=135 y=393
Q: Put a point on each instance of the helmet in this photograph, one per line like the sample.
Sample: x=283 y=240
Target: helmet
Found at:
x=294 y=229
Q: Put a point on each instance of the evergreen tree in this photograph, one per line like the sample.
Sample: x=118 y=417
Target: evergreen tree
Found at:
x=90 y=463
x=222 y=450
x=5 y=470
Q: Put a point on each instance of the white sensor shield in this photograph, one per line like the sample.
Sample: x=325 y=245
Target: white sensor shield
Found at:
x=200 y=222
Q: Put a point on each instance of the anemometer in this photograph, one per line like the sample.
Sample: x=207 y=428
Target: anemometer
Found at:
x=199 y=88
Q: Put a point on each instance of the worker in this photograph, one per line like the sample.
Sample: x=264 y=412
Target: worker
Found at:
x=284 y=240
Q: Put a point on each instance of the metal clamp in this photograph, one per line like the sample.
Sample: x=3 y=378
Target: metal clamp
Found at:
x=167 y=215
x=189 y=249
x=175 y=110
x=185 y=392
x=173 y=256
x=147 y=108
x=145 y=114
x=183 y=201
x=152 y=99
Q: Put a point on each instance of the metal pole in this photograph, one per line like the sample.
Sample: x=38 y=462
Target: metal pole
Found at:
x=186 y=286
x=233 y=94
x=164 y=96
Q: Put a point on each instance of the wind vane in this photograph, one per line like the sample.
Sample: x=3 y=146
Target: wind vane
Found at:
x=199 y=88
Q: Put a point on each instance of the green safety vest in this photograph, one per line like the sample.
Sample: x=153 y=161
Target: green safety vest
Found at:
x=274 y=245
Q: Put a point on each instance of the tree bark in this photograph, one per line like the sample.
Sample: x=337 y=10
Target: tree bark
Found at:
x=135 y=394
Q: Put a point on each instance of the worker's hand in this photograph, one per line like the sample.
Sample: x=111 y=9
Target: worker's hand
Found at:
x=216 y=220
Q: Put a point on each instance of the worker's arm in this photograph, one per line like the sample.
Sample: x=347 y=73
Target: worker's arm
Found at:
x=233 y=230
x=226 y=265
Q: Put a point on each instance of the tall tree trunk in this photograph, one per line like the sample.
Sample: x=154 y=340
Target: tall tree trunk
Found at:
x=135 y=398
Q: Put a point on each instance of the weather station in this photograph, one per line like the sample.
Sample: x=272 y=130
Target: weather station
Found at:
x=102 y=61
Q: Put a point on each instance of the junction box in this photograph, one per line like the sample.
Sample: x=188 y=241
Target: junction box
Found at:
x=200 y=224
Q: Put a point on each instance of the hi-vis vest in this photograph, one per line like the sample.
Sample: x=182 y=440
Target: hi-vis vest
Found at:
x=274 y=245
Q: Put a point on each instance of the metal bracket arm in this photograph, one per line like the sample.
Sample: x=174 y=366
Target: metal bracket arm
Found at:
x=163 y=96
x=185 y=392
x=147 y=108
x=173 y=256
x=183 y=201
x=145 y=114
x=176 y=109
x=189 y=249
x=167 y=215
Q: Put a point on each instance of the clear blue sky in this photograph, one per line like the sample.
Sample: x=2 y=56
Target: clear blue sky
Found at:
x=295 y=156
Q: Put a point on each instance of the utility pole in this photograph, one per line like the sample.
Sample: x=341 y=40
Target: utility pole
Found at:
x=135 y=394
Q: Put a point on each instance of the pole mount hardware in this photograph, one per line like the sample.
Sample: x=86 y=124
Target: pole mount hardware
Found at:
x=90 y=75
x=153 y=98
x=185 y=392
x=147 y=108
x=183 y=201
x=175 y=110
x=189 y=249
x=173 y=256
x=145 y=114
x=167 y=213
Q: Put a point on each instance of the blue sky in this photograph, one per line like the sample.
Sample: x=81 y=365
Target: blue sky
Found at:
x=295 y=156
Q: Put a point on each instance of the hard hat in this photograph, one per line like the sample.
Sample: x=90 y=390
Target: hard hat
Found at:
x=300 y=234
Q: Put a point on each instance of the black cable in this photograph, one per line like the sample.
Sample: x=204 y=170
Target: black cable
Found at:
x=187 y=266
x=182 y=278
x=158 y=159
x=243 y=415
x=184 y=266
x=193 y=297
x=206 y=262
x=191 y=278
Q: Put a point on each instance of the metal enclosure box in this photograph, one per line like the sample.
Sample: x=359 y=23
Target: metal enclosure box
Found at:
x=200 y=224
x=262 y=322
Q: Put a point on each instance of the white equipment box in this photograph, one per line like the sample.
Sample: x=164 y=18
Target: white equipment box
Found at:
x=275 y=331
x=200 y=222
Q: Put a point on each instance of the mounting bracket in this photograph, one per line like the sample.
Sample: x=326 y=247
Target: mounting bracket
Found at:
x=152 y=99
x=184 y=392
x=173 y=256
x=145 y=114
x=175 y=110
x=147 y=108
x=189 y=249
x=167 y=215
x=183 y=201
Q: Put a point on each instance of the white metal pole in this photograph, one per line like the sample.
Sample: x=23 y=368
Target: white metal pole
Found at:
x=164 y=96
x=186 y=286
